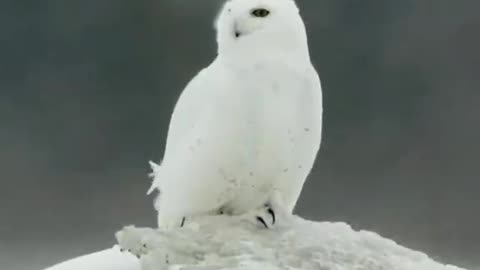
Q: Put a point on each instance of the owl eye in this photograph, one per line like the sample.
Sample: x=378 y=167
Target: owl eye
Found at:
x=260 y=12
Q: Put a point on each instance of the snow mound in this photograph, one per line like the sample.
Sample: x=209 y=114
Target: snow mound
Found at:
x=225 y=242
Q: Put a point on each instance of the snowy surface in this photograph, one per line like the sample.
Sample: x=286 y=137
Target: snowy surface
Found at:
x=109 y=259
x=221 y=242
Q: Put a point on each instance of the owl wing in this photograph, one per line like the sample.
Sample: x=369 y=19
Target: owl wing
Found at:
x=189 y=108
x=185 y=114
x=190 y=179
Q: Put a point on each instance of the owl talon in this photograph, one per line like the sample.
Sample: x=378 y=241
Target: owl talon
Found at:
x=183 y=222
x=266 y=216
x=272 y=213
x=261 y=220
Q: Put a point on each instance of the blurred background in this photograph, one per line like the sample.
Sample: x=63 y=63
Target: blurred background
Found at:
x=87 y=88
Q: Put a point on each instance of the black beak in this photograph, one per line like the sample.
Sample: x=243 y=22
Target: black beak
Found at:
x=236 y=32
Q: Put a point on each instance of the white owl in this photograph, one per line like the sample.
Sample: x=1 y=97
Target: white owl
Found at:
x=246 y=130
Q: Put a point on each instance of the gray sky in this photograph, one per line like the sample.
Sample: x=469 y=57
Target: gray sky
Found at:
x=87 y=88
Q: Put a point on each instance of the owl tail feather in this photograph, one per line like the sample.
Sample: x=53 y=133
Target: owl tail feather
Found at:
x=155 y=170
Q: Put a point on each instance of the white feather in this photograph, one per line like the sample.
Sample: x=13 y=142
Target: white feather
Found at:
x=247 y=126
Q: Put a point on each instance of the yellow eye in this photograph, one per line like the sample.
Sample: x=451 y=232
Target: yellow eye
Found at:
x=260 y=12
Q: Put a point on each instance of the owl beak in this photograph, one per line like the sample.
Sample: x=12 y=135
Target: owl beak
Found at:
x=236 y=31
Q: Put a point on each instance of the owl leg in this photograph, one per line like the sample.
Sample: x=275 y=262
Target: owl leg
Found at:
x=168 y=223
x=272 y=211
x=225 y=210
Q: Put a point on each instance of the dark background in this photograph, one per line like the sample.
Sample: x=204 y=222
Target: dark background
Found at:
x=87 y=88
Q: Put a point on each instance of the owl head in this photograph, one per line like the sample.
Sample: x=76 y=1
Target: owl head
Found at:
x=262 y=26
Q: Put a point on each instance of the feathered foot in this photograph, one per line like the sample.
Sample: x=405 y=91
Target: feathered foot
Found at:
x=266 y=217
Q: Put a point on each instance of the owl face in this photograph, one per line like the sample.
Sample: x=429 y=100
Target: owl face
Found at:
x=261 y=27
x=246 y=17
x=247 y=20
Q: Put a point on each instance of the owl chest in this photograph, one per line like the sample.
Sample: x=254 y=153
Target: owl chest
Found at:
x=275 y=117
x=268 y=91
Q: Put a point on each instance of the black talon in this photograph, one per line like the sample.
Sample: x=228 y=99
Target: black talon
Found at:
x=145 y=245
x=122 y=250
x=271 y=212
x=262 y=221
x=183 y=222
x=138 y=256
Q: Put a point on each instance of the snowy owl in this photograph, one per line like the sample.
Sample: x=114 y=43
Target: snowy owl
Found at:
x=245 y=132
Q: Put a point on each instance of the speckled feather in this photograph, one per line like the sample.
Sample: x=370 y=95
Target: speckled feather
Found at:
x=249 y=125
